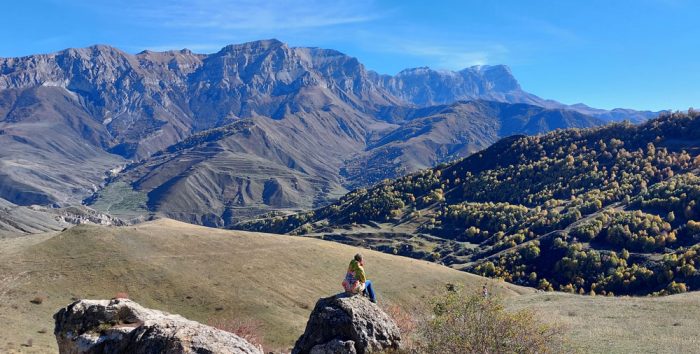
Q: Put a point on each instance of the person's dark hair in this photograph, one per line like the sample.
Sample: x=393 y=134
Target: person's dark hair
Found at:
x=358 y=257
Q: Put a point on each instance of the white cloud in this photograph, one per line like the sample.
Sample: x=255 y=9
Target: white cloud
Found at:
x=446 y=53
x=253 y=15
x=452 y=55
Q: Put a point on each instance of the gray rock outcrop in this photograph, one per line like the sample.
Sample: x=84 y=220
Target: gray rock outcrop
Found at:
x=123 y=326
x=347 y=325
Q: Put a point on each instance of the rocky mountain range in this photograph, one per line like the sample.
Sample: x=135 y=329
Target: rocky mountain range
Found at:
x=259 y=126
x=427 y=87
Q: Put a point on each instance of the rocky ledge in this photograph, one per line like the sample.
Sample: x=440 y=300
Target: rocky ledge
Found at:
x=344 y=325
x=123 y=326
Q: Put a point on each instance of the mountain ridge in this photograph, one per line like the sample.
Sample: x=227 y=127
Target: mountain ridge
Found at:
x=314 y=112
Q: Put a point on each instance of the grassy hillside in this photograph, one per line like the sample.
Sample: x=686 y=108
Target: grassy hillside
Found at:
x=200 y=273
x=621 y=324
x=208 y=274
x=604 y=210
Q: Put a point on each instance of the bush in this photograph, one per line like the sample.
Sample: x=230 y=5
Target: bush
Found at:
x=406 y=322
x=247 y=329
x=471 y=323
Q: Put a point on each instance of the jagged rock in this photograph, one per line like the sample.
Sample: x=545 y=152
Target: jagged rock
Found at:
x=123 y=326
x=344 y=325
x=335 y=346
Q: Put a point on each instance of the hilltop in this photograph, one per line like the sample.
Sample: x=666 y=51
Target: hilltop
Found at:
x=608 y=210
x=201 y=273
x=210 y=275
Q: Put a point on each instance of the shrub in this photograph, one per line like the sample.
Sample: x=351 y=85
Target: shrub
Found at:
x=406 y=322
x=471 y=323
x=121 y=295
x=249 y=330
x=676 y=288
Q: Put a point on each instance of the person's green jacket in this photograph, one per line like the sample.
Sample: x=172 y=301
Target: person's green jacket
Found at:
x=354 y=278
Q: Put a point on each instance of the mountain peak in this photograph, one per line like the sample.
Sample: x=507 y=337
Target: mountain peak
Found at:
x=102 y=48
x=485 y=67
x=264 y=44
x=500 y=76
x=428 y=86
x=93 y=50
x=416 y=70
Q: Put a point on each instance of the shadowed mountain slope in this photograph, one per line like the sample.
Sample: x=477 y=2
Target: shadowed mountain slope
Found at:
x=52 y=149
x=223 y=175
x=446 y=133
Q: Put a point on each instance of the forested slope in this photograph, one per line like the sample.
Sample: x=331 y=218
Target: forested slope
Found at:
x=600 y=210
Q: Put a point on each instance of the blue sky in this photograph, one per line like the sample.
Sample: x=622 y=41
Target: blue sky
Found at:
x=642 y=54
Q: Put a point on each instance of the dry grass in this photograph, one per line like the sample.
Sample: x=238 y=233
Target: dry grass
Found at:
x=250 y=330
x=621 y=324
x=276 y=280
x=193 y=271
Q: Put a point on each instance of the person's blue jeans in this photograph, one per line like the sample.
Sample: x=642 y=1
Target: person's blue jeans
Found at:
x=369 y=291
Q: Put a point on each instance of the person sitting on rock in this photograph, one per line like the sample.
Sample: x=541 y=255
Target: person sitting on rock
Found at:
x=355 y=280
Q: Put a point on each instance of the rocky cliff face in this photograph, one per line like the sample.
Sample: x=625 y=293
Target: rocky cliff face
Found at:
x=17 y=219
x=344 y=325
x=427 y=87
x=95 y=106
x=152 y=100
x=123 y=326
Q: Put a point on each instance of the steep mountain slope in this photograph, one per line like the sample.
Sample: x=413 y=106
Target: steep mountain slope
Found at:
x=136 y=105
x=603 y=210
x=138 y=98
x=150 y=101
x=52 y=148
x=16 y=219
x=449 y=132
x=426 y=87
x=223 y=175
x=239 y=170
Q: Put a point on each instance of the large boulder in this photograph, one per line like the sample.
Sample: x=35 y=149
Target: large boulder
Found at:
x=123 y=326
x=347 y=325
